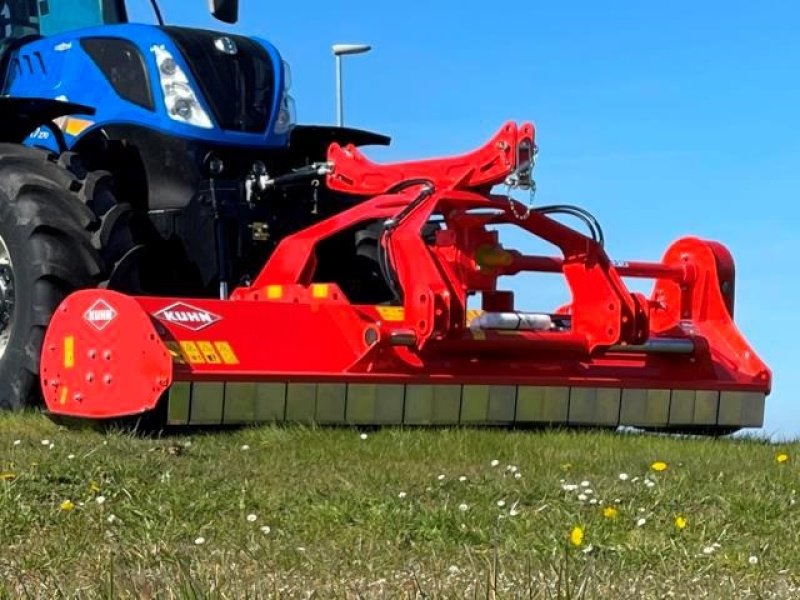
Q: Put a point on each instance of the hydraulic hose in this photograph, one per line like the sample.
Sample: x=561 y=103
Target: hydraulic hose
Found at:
x=384 y=260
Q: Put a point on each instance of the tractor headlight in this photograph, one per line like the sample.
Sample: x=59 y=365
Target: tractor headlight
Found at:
x=287 y=76
x=286 y=112
x=286 y=115
x=179 y=97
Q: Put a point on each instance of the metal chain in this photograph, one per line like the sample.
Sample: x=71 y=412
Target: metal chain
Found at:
x=513 y=205
x=315 y=200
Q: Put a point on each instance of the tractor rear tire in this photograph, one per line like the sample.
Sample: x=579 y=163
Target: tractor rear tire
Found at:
x=61 y=229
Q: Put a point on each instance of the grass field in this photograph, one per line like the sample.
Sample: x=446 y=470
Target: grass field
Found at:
x=301 y=513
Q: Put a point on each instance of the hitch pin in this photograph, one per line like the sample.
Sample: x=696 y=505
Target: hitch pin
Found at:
x=512 y=321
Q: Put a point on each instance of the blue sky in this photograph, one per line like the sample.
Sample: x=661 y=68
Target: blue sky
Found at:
x=664 y=119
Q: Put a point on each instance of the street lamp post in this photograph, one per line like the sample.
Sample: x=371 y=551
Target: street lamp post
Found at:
x=340 y=50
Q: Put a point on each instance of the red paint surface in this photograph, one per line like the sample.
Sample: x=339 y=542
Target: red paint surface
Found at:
x=307 y=335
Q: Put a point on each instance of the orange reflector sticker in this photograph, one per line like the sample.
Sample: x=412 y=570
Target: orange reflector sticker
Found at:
x=62 y=400
x=69 y=352
x=226 y=352
x=391 y=313
x=274 y=292
x=75 y=126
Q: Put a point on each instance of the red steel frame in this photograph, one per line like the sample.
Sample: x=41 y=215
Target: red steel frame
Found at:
x=288 y=326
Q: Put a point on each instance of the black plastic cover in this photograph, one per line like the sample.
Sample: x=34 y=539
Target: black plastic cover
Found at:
x=124 y=67
x=315 y=139
x=238 y=82
x=20 y=116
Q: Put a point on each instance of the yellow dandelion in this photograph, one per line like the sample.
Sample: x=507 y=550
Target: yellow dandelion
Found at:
x=94 y=488
x=67 y=505
x=680 y=522
x=7 y=476
x=782 y=458
x=659 y=466
x=576 y=535
x=609 y=512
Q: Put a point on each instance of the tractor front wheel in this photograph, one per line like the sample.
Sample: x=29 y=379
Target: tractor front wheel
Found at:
x=60 y=230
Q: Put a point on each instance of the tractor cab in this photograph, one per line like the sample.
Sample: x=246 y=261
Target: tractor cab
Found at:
x=22 y=21
x=23 y=18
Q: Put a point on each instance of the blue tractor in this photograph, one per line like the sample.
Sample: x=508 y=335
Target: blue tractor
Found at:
x=147 y=158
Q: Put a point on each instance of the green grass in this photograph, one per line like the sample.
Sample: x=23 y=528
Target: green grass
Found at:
x=382 y=517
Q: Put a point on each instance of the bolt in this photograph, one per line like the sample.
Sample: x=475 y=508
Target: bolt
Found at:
x=89 y=377
x=78 y=397
x=107 y=379
x=162 y=381
x=92 y=353
x=107 y=354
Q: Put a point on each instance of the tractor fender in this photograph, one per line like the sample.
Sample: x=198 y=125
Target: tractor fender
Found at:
x=21 y=116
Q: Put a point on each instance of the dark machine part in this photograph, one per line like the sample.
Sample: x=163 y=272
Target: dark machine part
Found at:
x=178 y=211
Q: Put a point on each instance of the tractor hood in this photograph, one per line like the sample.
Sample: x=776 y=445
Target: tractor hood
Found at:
x=235 y=74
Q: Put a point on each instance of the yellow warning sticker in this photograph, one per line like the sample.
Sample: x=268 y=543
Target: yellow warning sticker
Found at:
x=209 y=353
x=62 y=400
x=226 y=352
x=175 y=352
x=319 y=290
x=69 y=352
x=473 y=314
x=274 y=292
x=192 y=353
x=202 y=353
x=391 y=313
x=493 y=256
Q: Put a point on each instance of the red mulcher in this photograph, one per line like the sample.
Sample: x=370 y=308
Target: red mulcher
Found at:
x=291 y=347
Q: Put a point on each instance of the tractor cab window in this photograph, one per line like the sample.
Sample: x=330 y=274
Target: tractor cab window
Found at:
x=57 y=16
x=17 y=20
x=21 y=18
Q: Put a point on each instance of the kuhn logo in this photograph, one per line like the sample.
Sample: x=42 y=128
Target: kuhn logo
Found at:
x=187 y=316
x=100 y=314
